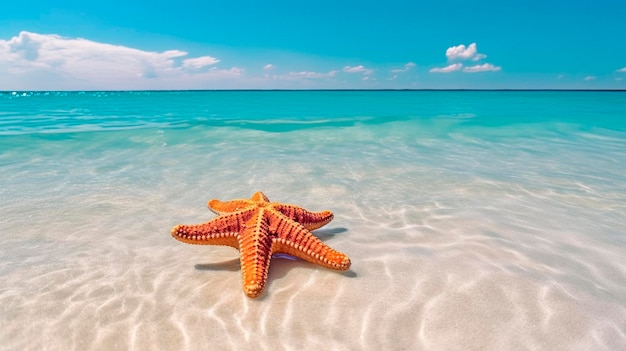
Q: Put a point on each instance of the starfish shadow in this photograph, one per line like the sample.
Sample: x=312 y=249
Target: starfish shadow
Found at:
x=230 y=265
x=328 y=233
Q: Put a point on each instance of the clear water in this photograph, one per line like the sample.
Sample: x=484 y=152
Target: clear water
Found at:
x=481 y=220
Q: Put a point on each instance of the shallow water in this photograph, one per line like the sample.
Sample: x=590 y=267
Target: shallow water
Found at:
x=474 y=220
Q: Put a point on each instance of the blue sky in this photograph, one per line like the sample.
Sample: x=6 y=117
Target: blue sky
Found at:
x=182 y=44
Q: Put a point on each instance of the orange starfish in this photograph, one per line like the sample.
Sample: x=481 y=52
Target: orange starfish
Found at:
x=260 y=228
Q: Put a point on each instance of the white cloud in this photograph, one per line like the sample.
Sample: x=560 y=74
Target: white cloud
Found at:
x=590 y=78
x=232 y=72
x=407 y=67
x=47 y=61
x=199 y=62
x=450 y=68
x=479 y=57
x=461 y=52
x=622 y=70
x=357 y=69
x=481 y=68
x=309 y=75
x=268 y=66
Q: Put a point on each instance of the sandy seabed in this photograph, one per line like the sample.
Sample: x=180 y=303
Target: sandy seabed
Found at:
x=445 y=255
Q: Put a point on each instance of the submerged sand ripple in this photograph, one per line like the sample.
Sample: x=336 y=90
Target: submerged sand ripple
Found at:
x=429 y=281
x=448 y=252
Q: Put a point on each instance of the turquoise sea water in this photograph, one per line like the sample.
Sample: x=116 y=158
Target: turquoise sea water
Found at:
x=481 y=219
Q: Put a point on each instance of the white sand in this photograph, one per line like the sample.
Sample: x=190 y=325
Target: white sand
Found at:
x=445 y=254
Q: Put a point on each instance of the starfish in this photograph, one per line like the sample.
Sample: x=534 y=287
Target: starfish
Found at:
x=259 y=228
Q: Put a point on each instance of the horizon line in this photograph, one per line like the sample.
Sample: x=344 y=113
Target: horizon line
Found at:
x=296 y=90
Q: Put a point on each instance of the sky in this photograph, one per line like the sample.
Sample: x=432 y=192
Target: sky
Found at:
x=321 y=44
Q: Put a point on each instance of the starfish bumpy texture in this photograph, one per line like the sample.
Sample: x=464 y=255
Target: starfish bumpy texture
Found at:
x=259 y=228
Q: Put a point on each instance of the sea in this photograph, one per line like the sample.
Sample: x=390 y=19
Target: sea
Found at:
x=474 y=220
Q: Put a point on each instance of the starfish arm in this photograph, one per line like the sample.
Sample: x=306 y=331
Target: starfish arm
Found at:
x=222 y=230
x=255 y=246
x=294 y=239
x=259 y=197
x=310 y=220
x=221 y=207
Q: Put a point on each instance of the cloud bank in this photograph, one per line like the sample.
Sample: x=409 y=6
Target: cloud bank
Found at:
x=200 y=62
x=32 y=61
x=406 y=68
x=47 y=61
x=309 y=75
x=358 y=69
